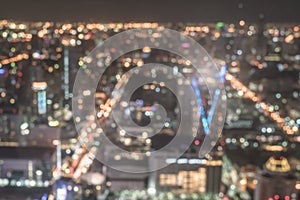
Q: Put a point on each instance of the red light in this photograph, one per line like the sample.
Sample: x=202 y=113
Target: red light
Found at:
x=197 y=142
x=286 y=198
x=276 y=196
x=281 y=157
x=222 y=143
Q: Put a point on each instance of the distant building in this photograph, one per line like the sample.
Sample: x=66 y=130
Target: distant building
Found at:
x=191 y=175
x=276 y=181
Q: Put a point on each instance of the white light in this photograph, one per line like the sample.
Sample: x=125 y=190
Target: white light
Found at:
x=148 y=141
x=269 y=130
x=76 y=189
x=24 y=126
x=278 y=95
x=195 y=161
x=151 y=191
x=39 y=173
x=145 y=135
x=13 y=182
x=5 y=182
x=32 y=183
x=182 y=161
x=73 y=42
x=19 y=184
x=170 y=160
x=127 y=141
x=86 y=92
x=69 y=187
x=122 y=132
x=243 y=182
x=117 y=157
x=25 y=132
x=147 y=113
x=27 y=182
x=240 y=93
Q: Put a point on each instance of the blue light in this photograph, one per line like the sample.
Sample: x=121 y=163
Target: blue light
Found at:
x=222 y=75
x=2 y=71
x=44 y=197
x=207 y=120
x=202 y=111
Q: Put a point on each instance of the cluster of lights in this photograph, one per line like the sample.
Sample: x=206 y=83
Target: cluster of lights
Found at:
x=17 y=37
x=84 y=165
x=247 y=93
x=78 y=165
x=262 y=141
x=150 y=192
x=84 y=32
x=221 y=29
x=14 y=59
x=278 y=165
x=278 y=197
x=23 y=183
x=12 y=35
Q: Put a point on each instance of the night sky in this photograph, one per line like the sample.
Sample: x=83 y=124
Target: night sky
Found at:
x=151 y=10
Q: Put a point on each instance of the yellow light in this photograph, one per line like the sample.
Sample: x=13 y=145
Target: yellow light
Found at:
x=54 y=123
x=39 y=85
x=98 y=187
x=51 y=197
x=146 y=49
x=50 y=69
x=12 y=101
x=126 y=64
x=140 y=63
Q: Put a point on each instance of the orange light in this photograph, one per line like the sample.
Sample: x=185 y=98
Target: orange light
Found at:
x=55 y=142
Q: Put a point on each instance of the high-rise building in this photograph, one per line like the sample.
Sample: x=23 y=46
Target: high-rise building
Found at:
x=191 y=175
x=276 y=181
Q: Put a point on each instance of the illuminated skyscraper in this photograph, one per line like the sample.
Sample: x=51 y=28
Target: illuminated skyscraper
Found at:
x=276 y=181
x=191 y=175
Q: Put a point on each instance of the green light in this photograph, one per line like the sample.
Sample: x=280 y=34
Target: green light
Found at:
x=80 y=63
x=219 y=24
